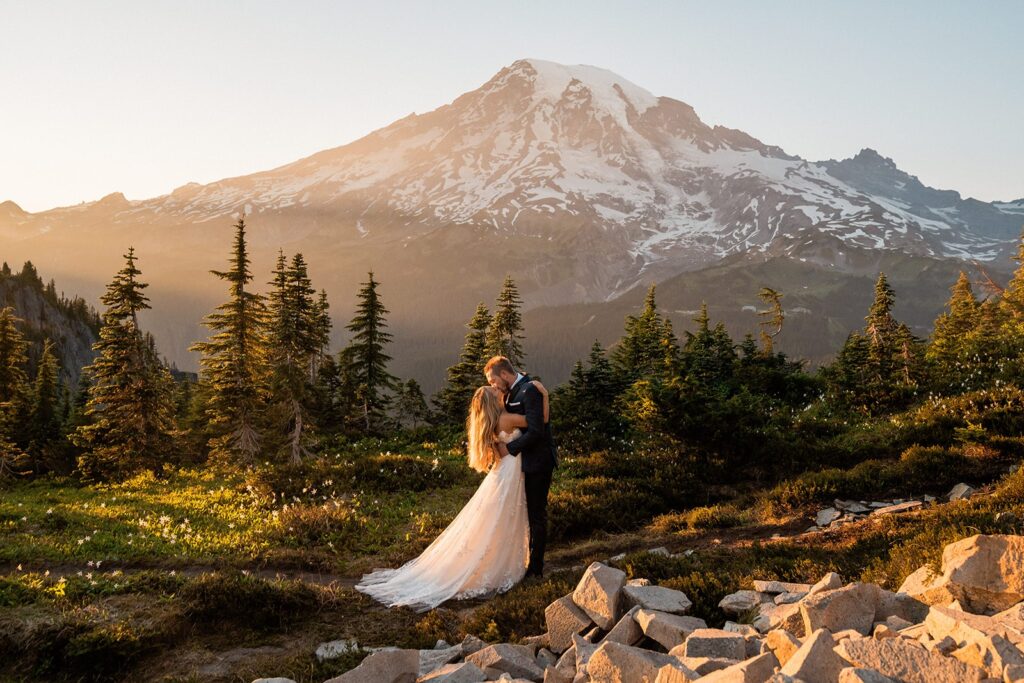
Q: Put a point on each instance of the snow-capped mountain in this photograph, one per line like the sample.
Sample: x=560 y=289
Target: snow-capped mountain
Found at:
x=576 y=180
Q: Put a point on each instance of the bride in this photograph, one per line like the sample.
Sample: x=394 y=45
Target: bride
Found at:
x=485 y=548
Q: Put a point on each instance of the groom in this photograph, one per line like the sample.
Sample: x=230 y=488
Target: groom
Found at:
x=536 y=446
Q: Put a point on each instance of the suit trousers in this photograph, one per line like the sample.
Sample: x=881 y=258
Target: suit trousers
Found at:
x=537 y=485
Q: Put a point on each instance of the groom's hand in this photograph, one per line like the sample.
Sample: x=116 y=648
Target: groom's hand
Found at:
x=502 y=449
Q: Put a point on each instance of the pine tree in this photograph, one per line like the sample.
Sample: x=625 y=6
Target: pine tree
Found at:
x=411 y=406
x=504 y=338
x=952 y=330
x=295 y=341
x=44 y=421
x=585 y=409
x=709 y=354
x=323 y=334
x=1012 y=300
x=13 y=393
x=130 y=407
x=365 y=362
x=881 y=329
x=233 y=363
x=466 y=375
x=641 y=353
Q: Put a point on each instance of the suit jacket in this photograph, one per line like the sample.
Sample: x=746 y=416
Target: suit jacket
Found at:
x=536 y=445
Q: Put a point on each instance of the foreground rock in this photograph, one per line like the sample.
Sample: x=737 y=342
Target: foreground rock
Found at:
x=516 y=660
x=599 y=594
x=906 y=661
x=387 y=666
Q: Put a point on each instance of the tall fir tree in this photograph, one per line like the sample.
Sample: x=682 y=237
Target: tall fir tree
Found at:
x=45 y=419
x=130 y=407
x=466 y=375
x=365 y=362
x=505 y=335
x=709 y=354
x=233 y=365
x=14 y=393
x=772 y=318
x=411 y=407
x=950 y=340
x=881 y=329
x=1012 y=299
x=641 y=353
x=295 y=341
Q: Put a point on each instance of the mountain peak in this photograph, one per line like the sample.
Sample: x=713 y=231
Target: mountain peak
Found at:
x=551 y=79
x=10 y=208
x=872 y=157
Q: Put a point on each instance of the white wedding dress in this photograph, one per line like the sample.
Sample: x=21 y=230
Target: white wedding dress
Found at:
x=483 y=551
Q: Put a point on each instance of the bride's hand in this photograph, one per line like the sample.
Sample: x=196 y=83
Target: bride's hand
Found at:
x=544 y=393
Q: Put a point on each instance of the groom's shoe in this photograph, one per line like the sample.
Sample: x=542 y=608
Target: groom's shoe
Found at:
x=534 y=574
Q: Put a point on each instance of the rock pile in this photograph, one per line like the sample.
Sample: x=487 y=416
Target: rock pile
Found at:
x=964 y=624
x=843 y=512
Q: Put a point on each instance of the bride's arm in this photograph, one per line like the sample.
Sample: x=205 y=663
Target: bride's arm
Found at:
x=511 y=421
x=544 y=393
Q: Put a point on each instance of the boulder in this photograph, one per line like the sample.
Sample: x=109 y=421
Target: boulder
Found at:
x=740 y=602
x=546 y=658
x=743 y=629
x=788 y=617
x=960 y=492
x=829 y=582
x=599 y=593
x=668 y=630
x=566 y=664
x=854 y=675
x=815 y=659
x=386 y=666
x=901 y=605
x=584 y=650
x=754 y=670
x=471 y=644
x=627 y=631
x=433 y=659
x=783 y=643
x=618 y=663
x=553 y=675
x=703 y=665
x=564 y=619
x=463 y=672
x=827 y=516
x=992 y=653
x=927 y=587
x=963 y=627
x=670 y=673
x=775 y=587
x=713 y=642
x=516 y=660
x=988 y=571
x=850 y=607
x=657 y=598
x=335 y=649
x=788 y=598
x=906 y=661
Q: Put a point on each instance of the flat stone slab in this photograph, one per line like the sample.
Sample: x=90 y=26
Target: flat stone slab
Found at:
x=775 y=587
x=909 y=506
x=385 y=666
x=618 y=662
x=669 y=630
x=716 y=643
x=563 y=619
x=658 y=598
x=516 y=660
x=906 y=661
x=740 y=602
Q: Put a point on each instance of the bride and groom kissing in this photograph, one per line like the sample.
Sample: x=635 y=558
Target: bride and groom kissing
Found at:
x=499 y=535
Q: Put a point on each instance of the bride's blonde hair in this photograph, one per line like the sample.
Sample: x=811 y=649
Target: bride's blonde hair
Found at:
x=482 y=428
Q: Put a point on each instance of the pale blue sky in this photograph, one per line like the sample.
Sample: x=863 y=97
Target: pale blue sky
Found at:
x=141 y=97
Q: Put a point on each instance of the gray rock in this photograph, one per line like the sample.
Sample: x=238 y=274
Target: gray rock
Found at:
x=783 y=643
x=815 y=660
x=830 y=581
x=960 y=492
x=775 y=587
x=516 y=660
x=754 y=670
x=907 y=661
x=827 y=516
x=385 y=666
x=564 y=619
x=657 y=598
x=627 y=631
x=434 y=659
x=335 y=649
x=909 y=506
x=789 y=598
x=463 y=672
x=854 y=675
x=717 y=643
x=618 y=662
x=850 y=607
x=599 y=594
x=669 y=630
x=740 y=602
x=471 y=644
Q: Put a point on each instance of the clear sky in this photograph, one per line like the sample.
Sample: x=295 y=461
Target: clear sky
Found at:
x=141 y=97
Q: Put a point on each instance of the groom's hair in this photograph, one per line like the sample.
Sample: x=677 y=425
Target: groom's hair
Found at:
x=499 y=364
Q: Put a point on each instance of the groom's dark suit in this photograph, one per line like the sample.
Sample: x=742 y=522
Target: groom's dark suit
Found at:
x=536 y=451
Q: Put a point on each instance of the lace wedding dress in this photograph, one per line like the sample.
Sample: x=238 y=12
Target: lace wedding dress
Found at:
x=483 y=551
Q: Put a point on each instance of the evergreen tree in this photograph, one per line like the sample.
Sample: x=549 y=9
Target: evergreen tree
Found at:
x=881 y=329
x=642 y=351
x=773 y=316
x=130 y=409
x=13 y=358
x=323 y=334
x=411 y=406
x=465 y=376
x=708 y=354
x=295 y=341
x=585 y=410
x=44 y=421
x=504 y=338
x=365 y=362
x=233 y=363
x=1012 y=300
x=950 y=341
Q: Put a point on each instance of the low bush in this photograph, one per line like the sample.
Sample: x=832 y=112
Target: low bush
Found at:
x=246 y=601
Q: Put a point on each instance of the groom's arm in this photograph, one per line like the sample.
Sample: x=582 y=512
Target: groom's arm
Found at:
x=533 y=405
